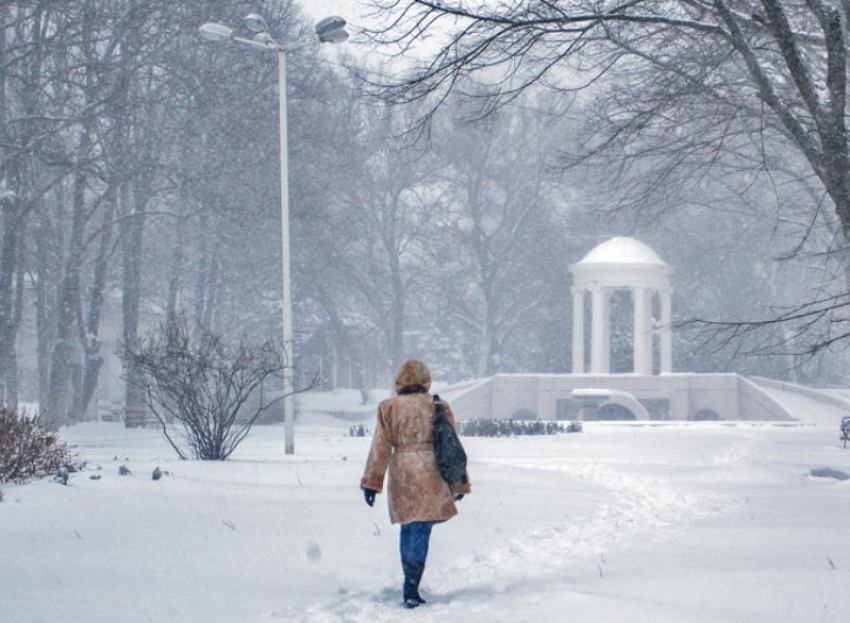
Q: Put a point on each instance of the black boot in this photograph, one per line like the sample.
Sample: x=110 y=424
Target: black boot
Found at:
x=412 y=576
x=409 y=586
x=419 y=569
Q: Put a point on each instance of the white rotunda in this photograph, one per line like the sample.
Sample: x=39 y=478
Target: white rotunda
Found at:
x=621 y=263
x=617 y=264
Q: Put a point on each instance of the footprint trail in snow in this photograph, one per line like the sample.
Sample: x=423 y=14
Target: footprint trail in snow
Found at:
x=641 y=508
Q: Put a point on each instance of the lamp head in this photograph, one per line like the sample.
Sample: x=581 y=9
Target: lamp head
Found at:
x=332 y=30
x=256 y=23
x=212 y=31
x=265 y=38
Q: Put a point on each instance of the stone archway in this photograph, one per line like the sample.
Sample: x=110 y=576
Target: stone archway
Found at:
x=627 y=402
x=598 y=398
x=614 y=412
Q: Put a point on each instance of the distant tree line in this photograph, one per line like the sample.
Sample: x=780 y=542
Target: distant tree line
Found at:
x=139 y=182
x=735 y=109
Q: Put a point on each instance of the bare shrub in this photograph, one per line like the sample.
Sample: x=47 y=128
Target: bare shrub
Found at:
x=192 y=376
x=30 y=449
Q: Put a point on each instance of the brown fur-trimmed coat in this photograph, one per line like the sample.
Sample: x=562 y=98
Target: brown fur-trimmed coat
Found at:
x=403 y=440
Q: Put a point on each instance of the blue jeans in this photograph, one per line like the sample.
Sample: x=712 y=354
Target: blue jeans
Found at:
x=414 y=539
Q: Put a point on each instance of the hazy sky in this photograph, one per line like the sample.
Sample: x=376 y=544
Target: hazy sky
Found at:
x=348 y=9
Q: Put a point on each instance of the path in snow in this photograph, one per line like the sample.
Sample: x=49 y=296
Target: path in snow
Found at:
x=643 y=506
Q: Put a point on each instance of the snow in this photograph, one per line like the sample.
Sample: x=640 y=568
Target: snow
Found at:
x=351 y=10
x=805 y=409
x=340 y=401
x=591 y=393
x=622 y=250
x=652 y=521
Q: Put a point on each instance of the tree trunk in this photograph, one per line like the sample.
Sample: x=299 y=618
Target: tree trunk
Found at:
x=210 y=304
x=203 y=269
x=12 y=363
x=5 y=203
x=64 y=349
x=44 y=307
x=90 y=337
x=486 y=366
x=64 y=355
x=9 y=258
x=177 y=258
x=131 y=238
x=396 y=319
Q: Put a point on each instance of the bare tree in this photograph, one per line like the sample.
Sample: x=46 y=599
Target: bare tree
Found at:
x=120 y=133
x=390 y=202
x=686 y=87
x=501 y=189
x=191 y=375
x=780 y=61
x=26 y=130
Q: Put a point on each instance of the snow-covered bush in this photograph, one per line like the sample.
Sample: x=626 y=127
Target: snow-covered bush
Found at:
x=29 y=449
x=573 y=427
x=192 y=376
x=514 y=428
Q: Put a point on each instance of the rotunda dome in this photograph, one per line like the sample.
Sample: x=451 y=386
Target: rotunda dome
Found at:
x=621 y=262
x=622 y=250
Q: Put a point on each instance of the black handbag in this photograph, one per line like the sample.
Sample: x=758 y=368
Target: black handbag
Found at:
x=451 y=457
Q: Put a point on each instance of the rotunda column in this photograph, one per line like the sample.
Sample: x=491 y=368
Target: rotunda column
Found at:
x=578 y=330
x=606 y=330
x=650 y=332
x=597 y=330
x=665 y=332
x=642 y=353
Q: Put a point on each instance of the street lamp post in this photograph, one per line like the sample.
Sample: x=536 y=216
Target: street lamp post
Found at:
x=328 y=30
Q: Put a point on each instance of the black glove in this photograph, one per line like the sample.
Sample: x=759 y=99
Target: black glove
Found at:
x=458 y=497
x=369 y=495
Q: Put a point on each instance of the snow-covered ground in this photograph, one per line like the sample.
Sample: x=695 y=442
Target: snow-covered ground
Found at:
x=623 y=522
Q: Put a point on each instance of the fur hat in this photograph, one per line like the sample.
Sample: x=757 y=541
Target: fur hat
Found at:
x=412 y=372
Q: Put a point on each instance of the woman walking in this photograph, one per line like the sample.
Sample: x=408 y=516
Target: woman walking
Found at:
x=418 y=495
